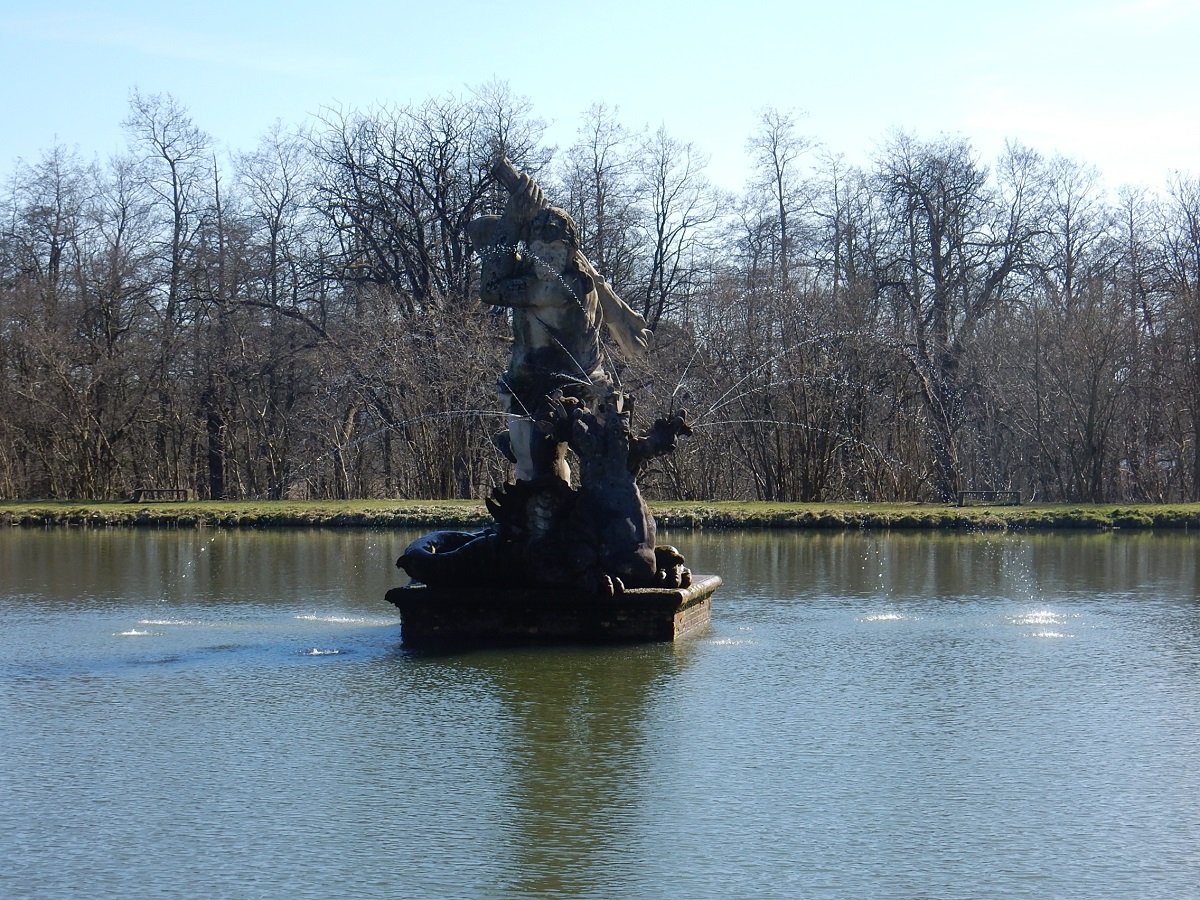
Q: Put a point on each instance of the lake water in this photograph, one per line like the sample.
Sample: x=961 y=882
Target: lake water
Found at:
x=230 y=714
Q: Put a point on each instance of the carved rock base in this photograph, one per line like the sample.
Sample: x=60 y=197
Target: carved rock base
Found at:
x=433 y=616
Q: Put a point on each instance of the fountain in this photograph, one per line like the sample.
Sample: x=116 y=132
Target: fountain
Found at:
x=566 y=558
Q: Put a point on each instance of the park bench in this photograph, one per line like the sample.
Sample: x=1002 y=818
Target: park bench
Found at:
x=161 y=495
x=998 y=498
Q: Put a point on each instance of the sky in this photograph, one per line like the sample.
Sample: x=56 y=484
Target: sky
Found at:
x=1111 y=83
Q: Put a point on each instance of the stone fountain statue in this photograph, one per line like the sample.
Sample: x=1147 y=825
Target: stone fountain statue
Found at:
x=595 y=538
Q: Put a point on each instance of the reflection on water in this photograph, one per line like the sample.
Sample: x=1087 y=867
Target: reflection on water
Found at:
x=230 y=714
x=575 y=759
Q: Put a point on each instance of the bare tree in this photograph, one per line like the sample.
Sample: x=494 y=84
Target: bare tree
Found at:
x=174 y=155
x=1075 y=228
x=956 y=245
x=1181 y=270
x=681 y=204
x=399 y=185
x=602 y=191
x=775 y=149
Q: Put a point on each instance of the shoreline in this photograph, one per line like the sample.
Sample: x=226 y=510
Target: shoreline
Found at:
x=731 y=514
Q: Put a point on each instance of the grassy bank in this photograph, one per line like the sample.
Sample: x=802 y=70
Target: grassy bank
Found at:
x=470 y=514
x=248 y=513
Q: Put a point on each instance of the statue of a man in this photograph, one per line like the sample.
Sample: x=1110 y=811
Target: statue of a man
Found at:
x=531 y=263
x=598 y=537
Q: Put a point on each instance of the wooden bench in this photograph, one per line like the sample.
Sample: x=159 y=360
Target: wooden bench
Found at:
x=998 y=498
x=161 y=495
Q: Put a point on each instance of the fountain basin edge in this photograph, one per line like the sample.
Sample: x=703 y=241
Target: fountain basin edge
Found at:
x=431 y=616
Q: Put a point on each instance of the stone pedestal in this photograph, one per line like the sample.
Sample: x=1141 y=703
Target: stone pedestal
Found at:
x=431 y=616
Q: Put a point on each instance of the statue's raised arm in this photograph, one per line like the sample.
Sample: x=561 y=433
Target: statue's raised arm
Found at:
x=625 y=325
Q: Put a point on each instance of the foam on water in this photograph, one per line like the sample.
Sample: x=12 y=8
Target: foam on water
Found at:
x=349 y=620
x=1039 y=617
x=167 y=622
x=1047 y=622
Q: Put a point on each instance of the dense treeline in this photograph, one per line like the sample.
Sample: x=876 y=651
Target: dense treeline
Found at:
x=302 y=320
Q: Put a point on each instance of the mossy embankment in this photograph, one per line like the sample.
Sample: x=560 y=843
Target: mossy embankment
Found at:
x=247 y=514
x=1041 y=516
x=721 y=514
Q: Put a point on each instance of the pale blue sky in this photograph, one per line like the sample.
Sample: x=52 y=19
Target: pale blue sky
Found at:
x=1107 y=82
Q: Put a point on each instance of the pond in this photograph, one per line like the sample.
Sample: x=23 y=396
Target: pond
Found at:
x=230 y=714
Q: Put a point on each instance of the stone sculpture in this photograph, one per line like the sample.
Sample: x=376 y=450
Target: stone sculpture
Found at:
x=597 y=537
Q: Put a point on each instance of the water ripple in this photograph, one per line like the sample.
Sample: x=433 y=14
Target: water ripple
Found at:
x=899 y=731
